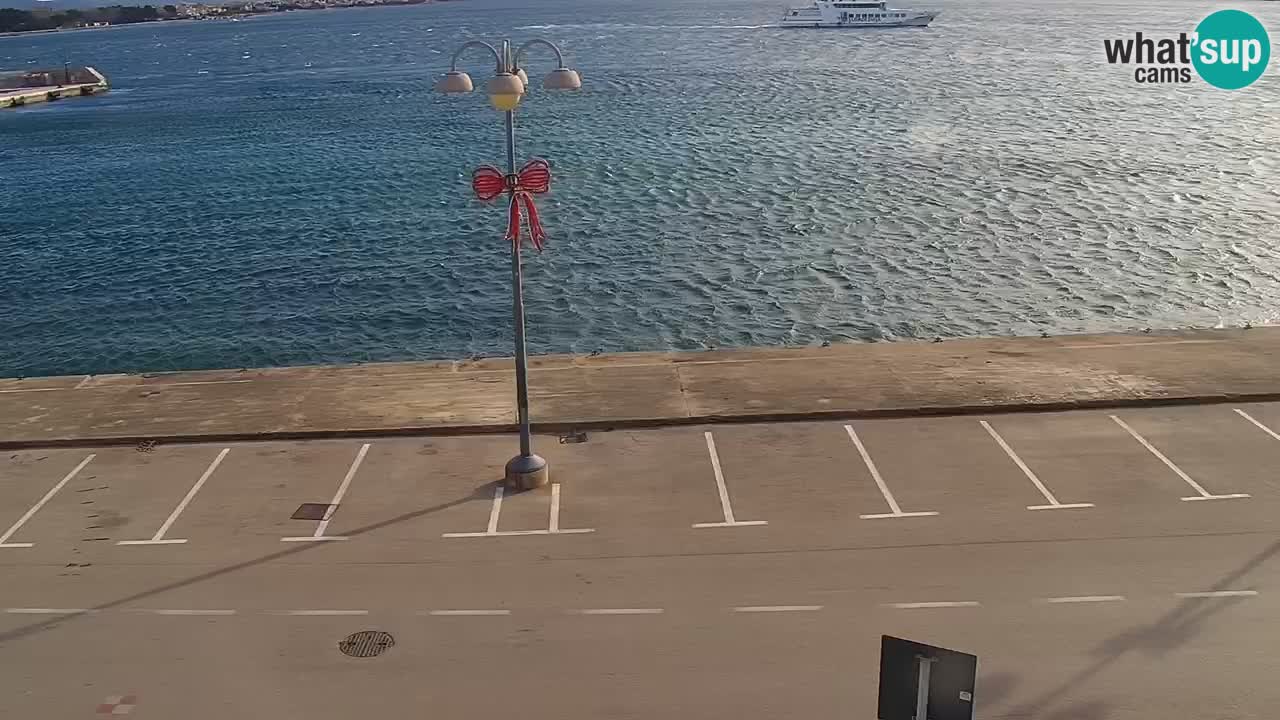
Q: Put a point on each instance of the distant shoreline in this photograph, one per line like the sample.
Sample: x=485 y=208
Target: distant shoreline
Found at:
x=52 y=31
x=228 y=17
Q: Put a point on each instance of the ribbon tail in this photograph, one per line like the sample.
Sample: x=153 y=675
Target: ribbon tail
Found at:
x=513 y=221
x=536 y=232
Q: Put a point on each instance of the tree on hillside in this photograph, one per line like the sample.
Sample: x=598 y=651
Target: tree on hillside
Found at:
x=12 y=20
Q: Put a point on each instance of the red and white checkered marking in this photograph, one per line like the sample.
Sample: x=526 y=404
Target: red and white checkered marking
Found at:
x=118 y=705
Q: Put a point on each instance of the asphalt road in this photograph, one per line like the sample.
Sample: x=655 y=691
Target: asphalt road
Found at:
x=1100 y=564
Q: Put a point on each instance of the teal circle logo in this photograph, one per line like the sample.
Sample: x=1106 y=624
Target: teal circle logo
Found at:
x=1232 y=49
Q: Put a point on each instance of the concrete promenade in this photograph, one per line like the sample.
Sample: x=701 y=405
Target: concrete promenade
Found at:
x=647 y=389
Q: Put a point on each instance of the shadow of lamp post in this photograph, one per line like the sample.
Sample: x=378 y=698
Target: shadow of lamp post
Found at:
x=506 y=89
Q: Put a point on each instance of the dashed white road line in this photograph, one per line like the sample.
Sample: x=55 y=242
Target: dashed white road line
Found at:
x=927 y=605
x=618 y=611
x=312 y=613
x=49 y=611
x=189 y=612
x=485 y=612
x=465 y=613
x=1203 y=494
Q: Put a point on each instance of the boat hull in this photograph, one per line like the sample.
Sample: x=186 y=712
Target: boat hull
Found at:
x=920 y=20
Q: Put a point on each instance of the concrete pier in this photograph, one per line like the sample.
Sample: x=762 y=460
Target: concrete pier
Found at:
x=83 y=81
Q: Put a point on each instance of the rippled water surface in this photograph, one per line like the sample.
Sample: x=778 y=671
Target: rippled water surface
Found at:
x=288 y=189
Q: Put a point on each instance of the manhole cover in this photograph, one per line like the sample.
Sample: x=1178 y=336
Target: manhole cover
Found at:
x=367 y=643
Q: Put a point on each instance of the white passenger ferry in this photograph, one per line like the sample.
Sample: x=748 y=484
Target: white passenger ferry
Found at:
x=843 y=14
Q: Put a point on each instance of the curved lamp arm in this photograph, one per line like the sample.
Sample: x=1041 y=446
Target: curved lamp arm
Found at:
x=453 y=63
x=539 y=41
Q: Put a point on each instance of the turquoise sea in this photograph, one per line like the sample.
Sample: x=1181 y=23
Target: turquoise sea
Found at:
x=288 y=189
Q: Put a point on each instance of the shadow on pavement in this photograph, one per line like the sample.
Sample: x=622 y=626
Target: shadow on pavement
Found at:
x=1176 y=628
x=483 y=492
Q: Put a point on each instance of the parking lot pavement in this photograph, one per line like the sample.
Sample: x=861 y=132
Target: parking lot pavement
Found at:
x=648 y=637
x=733 y=487
x=715 y=569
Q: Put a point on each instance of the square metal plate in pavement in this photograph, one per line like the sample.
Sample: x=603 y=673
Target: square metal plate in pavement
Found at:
x=310 y=511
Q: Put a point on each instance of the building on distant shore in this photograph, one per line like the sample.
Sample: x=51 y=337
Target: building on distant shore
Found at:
x=200 y=10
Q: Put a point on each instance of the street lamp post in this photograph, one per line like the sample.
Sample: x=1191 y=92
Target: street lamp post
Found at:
x=505 y=90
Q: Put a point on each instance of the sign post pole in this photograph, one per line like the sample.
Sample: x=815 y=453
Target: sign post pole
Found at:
x=924 y=682
x=922 y=687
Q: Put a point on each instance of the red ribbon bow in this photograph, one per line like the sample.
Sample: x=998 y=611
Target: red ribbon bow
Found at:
x=535 y=177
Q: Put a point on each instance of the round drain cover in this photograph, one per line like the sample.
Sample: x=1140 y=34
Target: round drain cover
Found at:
x=366 y=643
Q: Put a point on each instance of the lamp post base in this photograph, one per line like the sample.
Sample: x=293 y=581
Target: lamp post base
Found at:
x=526 y=472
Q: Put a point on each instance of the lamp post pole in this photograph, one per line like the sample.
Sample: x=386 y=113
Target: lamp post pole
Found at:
x=526 y=470
x=526 y=462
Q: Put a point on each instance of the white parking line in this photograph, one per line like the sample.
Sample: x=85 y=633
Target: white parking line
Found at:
x=553 y=523
x=1218 y=594
x=776 y=608
x=1085 y=599
x=1204 y=494
x=83 y=381
x=725 y=506
x=4 y=539
x=158 y=538
x=466 y=613
x=927 y=605
x=333 y=506
x=895 y=509
x=1053 y=501
x=1261 y=427
x=518 y=533
x=618 y=611
x=495 y=513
